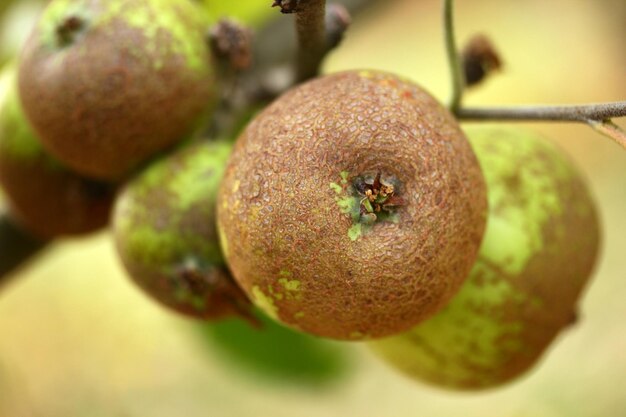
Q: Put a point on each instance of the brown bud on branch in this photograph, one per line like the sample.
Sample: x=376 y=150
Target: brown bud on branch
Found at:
x=479 y=59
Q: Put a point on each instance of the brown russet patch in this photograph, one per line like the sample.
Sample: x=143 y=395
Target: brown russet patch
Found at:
x=354 y=280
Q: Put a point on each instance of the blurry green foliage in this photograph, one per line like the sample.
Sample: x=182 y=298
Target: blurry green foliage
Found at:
x=251 y=12
x=276 y=352
x=16 y=20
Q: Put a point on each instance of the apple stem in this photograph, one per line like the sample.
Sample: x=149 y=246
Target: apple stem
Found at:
x=274 y=68
x=319 y=29
x=458 y=80
x=311 y=29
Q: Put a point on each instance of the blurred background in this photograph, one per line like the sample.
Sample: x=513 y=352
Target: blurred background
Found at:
x=77 y=339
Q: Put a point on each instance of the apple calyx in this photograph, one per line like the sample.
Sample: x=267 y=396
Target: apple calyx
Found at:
x=68 y=29
x=377 y=197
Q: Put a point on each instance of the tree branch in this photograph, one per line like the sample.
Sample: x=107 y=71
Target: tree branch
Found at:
x=16 y=247
x=273 y=71
x=580 y=113
x=281 y=31
x=598 y=116
x=458 y=83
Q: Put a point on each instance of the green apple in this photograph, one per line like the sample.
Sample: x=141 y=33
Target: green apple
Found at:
x=16 y=20
x=252 y=12
x=538 y=253
x=165 y=233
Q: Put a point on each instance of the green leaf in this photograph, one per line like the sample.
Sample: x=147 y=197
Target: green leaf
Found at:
x=277 y=353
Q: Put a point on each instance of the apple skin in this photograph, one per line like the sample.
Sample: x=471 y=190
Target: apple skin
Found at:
x=538 y=253
x=290 y=218
x=165 y=233
x=42 y=195
x=108 y=84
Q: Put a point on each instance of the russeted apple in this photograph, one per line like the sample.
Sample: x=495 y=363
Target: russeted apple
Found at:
x=43 y=195
x=165 y=233
x=107 y=84
x=352 y=207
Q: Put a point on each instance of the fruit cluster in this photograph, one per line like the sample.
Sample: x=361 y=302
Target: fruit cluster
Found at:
x=353 y=207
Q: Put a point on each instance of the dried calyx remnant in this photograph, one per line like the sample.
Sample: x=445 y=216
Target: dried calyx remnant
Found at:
x=232 y=42
x=378 y=198
x=68 y=29
x=190 y=276
x=287 y=6
x=212 y=291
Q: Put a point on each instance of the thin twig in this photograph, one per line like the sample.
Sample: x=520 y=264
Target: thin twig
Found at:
x=456 y=71
x=610 y=129
x=580 y=113
x=598 y=116
x=16 y=247
x=275 y=44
